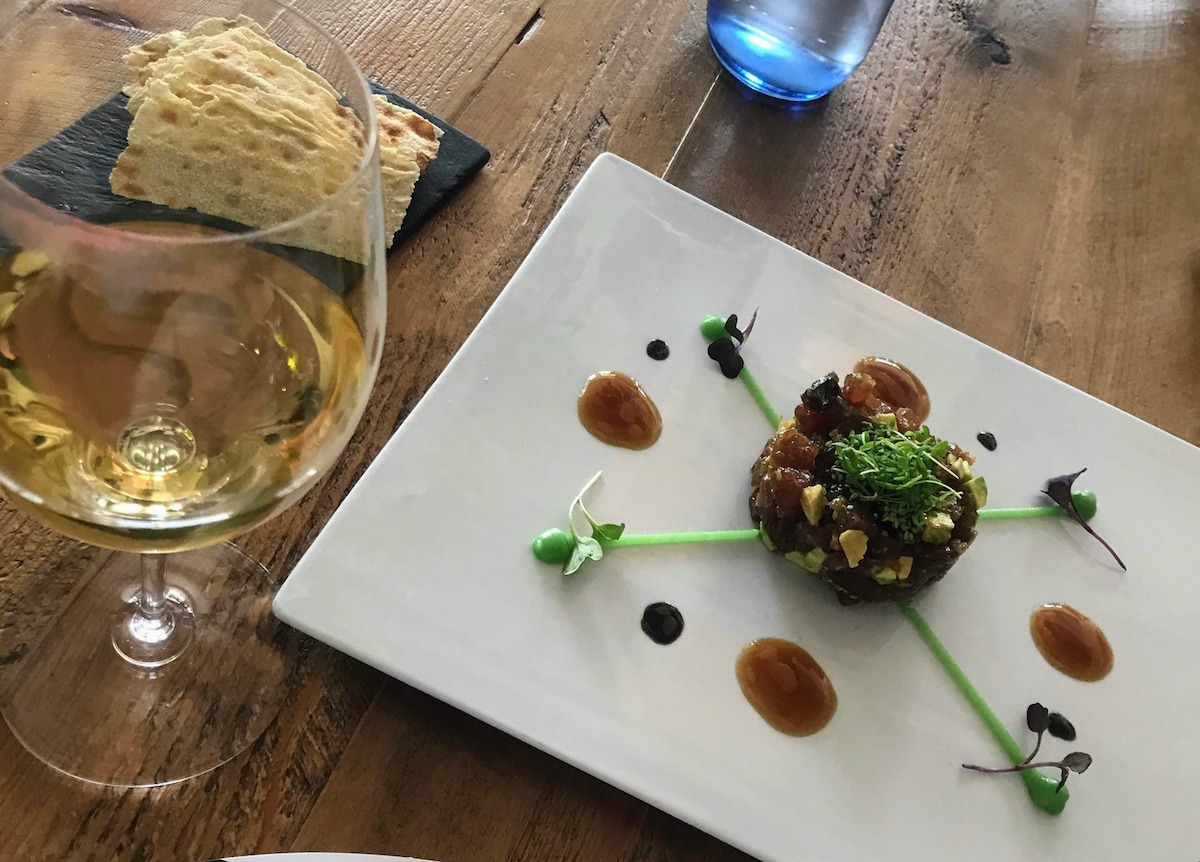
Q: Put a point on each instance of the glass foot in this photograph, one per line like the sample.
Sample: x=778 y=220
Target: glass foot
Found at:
x=113 y=697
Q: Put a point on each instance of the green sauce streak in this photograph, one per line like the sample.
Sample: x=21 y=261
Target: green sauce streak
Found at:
x=760 y=397
x=1085 y=502
x=555 y=545
x=1041 y=787
x=683 y=538
x=712 y=328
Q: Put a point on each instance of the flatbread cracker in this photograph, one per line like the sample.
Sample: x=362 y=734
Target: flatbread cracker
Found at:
x=229 y=39
x=228 y=123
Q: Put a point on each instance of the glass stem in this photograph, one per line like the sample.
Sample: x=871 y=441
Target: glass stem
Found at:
x=153 y=599
x=154 y=629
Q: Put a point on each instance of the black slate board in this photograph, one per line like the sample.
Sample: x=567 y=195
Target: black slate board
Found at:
x=70 y=172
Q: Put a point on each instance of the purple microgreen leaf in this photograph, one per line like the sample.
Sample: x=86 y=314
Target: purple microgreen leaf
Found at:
x=1077 y=761
x=1063 y=781
x=1058 y=489
x=1037 y=718
x=725 y=354
x=1061 y=728
x=746 y=332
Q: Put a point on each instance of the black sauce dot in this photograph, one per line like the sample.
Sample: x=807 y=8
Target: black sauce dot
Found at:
x=662 y=623
x=657 y=349
x=987 y=440
x=271 y=439
x=1060 y=728
x=38 y=440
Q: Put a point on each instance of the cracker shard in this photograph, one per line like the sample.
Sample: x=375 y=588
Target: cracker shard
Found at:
x=228 y=123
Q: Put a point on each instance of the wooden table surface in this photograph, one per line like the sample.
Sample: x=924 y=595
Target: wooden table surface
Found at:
x=1025 y=171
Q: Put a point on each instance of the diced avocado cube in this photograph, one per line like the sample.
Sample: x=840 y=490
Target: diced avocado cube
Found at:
x=905 y=568
x=978 y=489
x=812 y=501
x=26 y=263
x=938 y=528
x=854 y=546
x=885 y=575
x=766 y=540
x=812 y=561
x=884 y=419
x=960 y=467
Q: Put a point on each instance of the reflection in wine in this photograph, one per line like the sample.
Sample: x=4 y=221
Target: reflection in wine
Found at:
x=169 y=413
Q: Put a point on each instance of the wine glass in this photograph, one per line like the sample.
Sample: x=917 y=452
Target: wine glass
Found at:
x=168 y=380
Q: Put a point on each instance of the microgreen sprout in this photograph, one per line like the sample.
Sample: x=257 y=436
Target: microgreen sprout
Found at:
x=740 y=335
x=1058 y=489
x=1038 y=720
x=896 y=470
x=570 y=548
x=723 y=350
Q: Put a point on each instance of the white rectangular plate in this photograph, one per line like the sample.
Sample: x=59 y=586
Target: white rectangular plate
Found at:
x=426 y=571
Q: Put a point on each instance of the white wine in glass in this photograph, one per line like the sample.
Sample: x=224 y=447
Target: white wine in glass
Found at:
x=168 y=380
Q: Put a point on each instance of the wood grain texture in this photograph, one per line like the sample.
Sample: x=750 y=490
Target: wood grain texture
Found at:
x=1024 y=171
x=435 y=52
x=929 y=174
x=1117 y=312
x=468 y=791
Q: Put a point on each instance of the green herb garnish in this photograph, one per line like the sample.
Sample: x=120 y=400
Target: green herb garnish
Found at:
x=584 y=547
x=896 y=470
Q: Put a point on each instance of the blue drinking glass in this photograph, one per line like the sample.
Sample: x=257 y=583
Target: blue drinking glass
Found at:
x=796 y=50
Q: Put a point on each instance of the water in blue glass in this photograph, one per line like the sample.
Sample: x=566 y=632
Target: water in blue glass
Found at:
x=794 y=49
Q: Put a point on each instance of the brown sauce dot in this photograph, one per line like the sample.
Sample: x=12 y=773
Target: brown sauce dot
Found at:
x=786 y=686
x=614 y=409
x=1071 y=642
